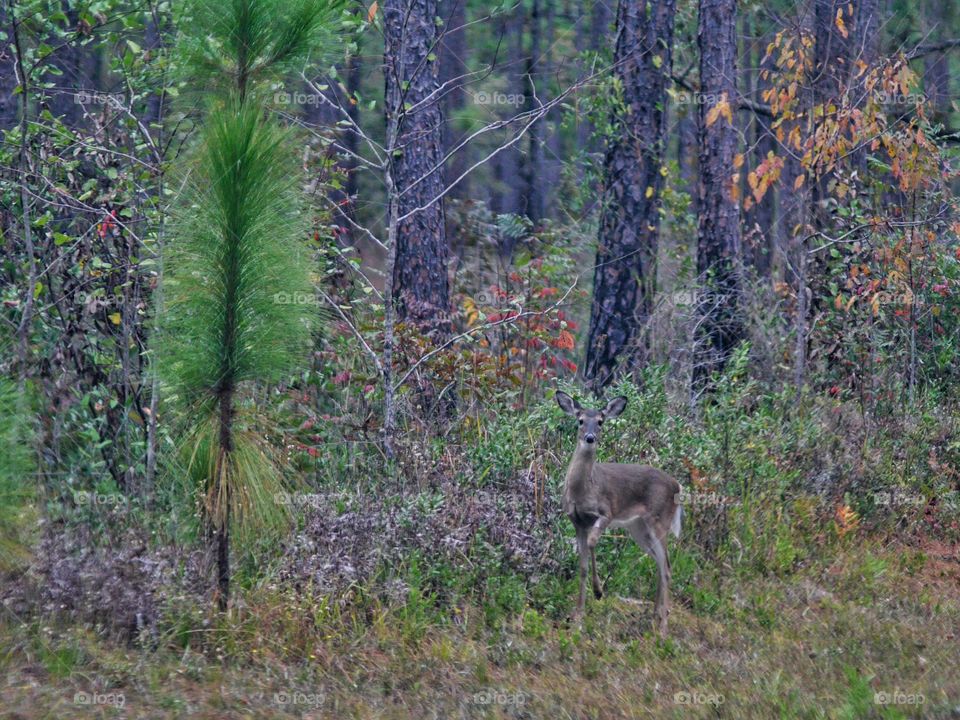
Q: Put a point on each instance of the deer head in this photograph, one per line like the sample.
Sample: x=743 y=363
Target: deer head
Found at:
x=590 y=421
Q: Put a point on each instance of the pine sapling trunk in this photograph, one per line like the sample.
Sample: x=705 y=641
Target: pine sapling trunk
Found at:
x=222 y=522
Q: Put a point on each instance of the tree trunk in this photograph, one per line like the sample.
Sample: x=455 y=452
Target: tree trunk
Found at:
x=719 y=256
x=453 y=64
x=936 y=66
x=8 y=77
x=222 y=520
x=420 y=284
x=534 y=172
x=629 y=225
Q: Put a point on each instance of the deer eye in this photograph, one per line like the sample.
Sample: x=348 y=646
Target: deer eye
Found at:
x=600 y=422
x=580 y=421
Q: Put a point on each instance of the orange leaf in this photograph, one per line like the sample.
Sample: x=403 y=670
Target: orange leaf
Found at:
x=721 y=108
x=798 y=182
x=372 y=12
x=840 y=25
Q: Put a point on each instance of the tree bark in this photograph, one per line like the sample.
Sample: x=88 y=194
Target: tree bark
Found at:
x=420 y=284
x=453 y=64
x=719 y=256
x=534 y=173
x=629 y=225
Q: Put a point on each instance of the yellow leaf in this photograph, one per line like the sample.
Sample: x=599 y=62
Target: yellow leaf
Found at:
x=840 y=25
x=115 y=318
x=721 y=108
x=649 y=191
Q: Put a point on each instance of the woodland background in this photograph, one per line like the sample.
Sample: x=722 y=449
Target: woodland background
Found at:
x=287 y=287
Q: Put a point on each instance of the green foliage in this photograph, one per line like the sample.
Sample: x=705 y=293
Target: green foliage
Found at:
x=239 y=290
x=229 y=46
x=254 y=477
x=16 y=466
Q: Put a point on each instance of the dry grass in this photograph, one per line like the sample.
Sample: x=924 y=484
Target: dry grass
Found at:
x=819 y=643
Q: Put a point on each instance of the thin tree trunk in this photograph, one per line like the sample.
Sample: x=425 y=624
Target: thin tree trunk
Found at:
x=453 y=57
x=534 y=174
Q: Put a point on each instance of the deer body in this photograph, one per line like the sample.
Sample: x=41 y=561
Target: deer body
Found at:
x=639 y=498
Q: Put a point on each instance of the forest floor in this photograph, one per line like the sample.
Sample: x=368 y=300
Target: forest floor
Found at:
x=873 y=631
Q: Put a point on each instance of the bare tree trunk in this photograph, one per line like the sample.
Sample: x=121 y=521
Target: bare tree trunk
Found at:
x=453 y=64
x=625 y=270
x=420 y=284
x=719 y=256
x=8 y=78
x=533 y=172
x=936 y=66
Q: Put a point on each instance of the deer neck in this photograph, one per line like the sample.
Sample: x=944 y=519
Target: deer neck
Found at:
x=580 y=471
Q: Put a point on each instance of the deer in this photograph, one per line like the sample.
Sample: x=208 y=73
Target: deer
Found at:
x=640 y=498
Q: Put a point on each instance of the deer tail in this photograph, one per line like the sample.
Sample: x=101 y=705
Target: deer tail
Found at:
x=675 y=524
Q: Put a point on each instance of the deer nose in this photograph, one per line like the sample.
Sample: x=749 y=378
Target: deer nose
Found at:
x=590 y=438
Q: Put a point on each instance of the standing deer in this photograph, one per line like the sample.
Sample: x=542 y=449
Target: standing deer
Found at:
x=596 y=496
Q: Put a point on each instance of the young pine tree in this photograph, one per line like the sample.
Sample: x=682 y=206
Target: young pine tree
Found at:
x=238 y=266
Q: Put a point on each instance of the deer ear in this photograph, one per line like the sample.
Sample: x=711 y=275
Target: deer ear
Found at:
x=567 y=403
x=615 y=407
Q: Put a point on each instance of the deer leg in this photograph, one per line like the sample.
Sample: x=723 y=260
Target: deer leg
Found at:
x=645 y=538
x=597 y=590
x=662 y=609
x=582 y=552
x=598 y=527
